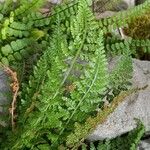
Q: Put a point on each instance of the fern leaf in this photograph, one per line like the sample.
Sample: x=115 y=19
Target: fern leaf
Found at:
x=27 y=7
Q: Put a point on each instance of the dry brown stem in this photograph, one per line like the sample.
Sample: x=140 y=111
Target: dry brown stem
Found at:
x=15 y=88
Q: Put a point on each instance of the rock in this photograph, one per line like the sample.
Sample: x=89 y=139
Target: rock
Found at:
x=137 y=2
x=55 y=1
x=144 y=145
x=135 y=106
x=122 y=6
x=5 y=97
x=130 y=3
x=105 y=14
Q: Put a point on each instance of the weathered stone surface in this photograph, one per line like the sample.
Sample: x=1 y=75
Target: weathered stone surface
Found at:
x=130 y=3
x=144 y=145
x=135 y=106
x=5 y=96
x=105 y=14
x=55 y=1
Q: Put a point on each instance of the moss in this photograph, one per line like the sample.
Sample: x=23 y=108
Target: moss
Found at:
x=139 y=28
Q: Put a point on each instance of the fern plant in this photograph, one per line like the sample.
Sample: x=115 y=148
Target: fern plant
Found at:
x=68 y=84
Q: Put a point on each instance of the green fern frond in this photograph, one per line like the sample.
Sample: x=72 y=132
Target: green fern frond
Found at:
x=28 y=7
x=127 y=16
x=118 y=47
x=18 y=29
x=7 y=6
x=17 y=50
x=120 y=77
x=65 y=10
x=36 y=19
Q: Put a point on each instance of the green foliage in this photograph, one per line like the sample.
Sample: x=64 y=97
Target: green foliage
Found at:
x=26 y=7
x=123 y=18
x=52 y=90
x=120 y=45
x=59 y=102
x=17 y=50
x=65 y=11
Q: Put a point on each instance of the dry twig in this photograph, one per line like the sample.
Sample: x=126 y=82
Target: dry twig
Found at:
x=15 y=88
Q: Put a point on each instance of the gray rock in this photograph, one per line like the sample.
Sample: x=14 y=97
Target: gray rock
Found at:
x=122 y=6
x=144 y=145
x=135 y=106
x=5 y=97
x=137 y=2
x=55 y=1
x=130 y=3
x=105 y=14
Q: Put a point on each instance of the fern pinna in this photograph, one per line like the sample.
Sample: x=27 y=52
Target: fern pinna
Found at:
x=71 y=78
